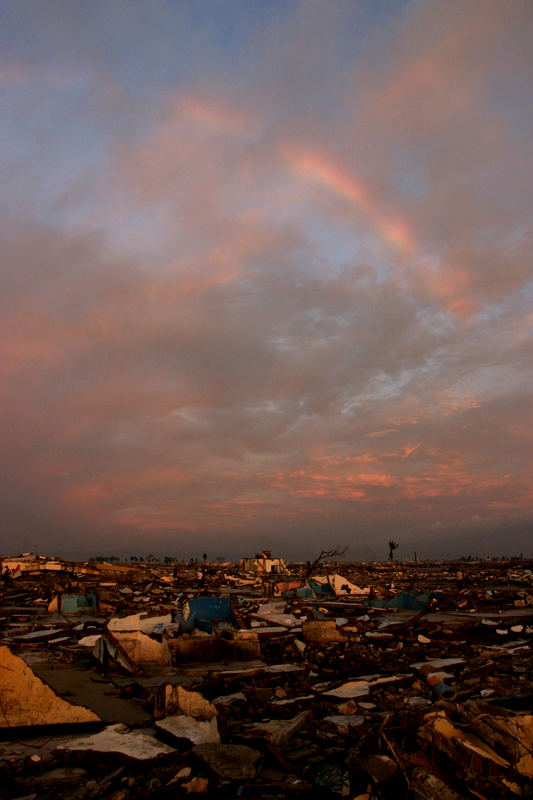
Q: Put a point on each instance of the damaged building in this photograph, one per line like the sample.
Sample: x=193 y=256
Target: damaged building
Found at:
x=263 y=564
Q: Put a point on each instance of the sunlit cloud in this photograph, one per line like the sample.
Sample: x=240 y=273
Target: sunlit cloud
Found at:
x=260 y=306
x=212 y=115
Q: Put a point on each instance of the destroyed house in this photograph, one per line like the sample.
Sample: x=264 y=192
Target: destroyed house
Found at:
x=28 y=563
x=263 y=564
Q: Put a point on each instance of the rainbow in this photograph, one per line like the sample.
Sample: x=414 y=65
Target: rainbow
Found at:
x=314 y=167
x=448 y=283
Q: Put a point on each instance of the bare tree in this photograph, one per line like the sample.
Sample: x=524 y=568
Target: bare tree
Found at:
x=392 y=547
x=324 y=554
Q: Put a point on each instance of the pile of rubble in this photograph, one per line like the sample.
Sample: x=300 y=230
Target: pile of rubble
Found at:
x=360 y=681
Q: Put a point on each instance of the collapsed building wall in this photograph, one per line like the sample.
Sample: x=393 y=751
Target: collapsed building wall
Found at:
x=27 y=700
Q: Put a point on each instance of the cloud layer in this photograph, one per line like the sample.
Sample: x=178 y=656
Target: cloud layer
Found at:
x=266 y=278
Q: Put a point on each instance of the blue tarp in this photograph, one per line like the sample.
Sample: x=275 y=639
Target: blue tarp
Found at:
x=405 y=600
x=74 y=603
x=322 y=589
x=312 y=590
x=204 y=611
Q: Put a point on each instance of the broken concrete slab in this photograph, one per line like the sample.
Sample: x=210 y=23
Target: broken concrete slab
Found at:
x=39 y=637
x=183 y=727
x=262 y=631
x=233 y=762
x=348 y=690
x=279 y=731
x=287 y=702
x=378 y=681
x=284 y=669
x=27 y=700
x=118 y=739
x=436 y=664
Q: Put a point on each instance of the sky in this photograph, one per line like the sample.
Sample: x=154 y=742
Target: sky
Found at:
x=266 y=277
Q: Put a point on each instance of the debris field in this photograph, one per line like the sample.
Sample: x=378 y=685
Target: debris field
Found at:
x=266 y=680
